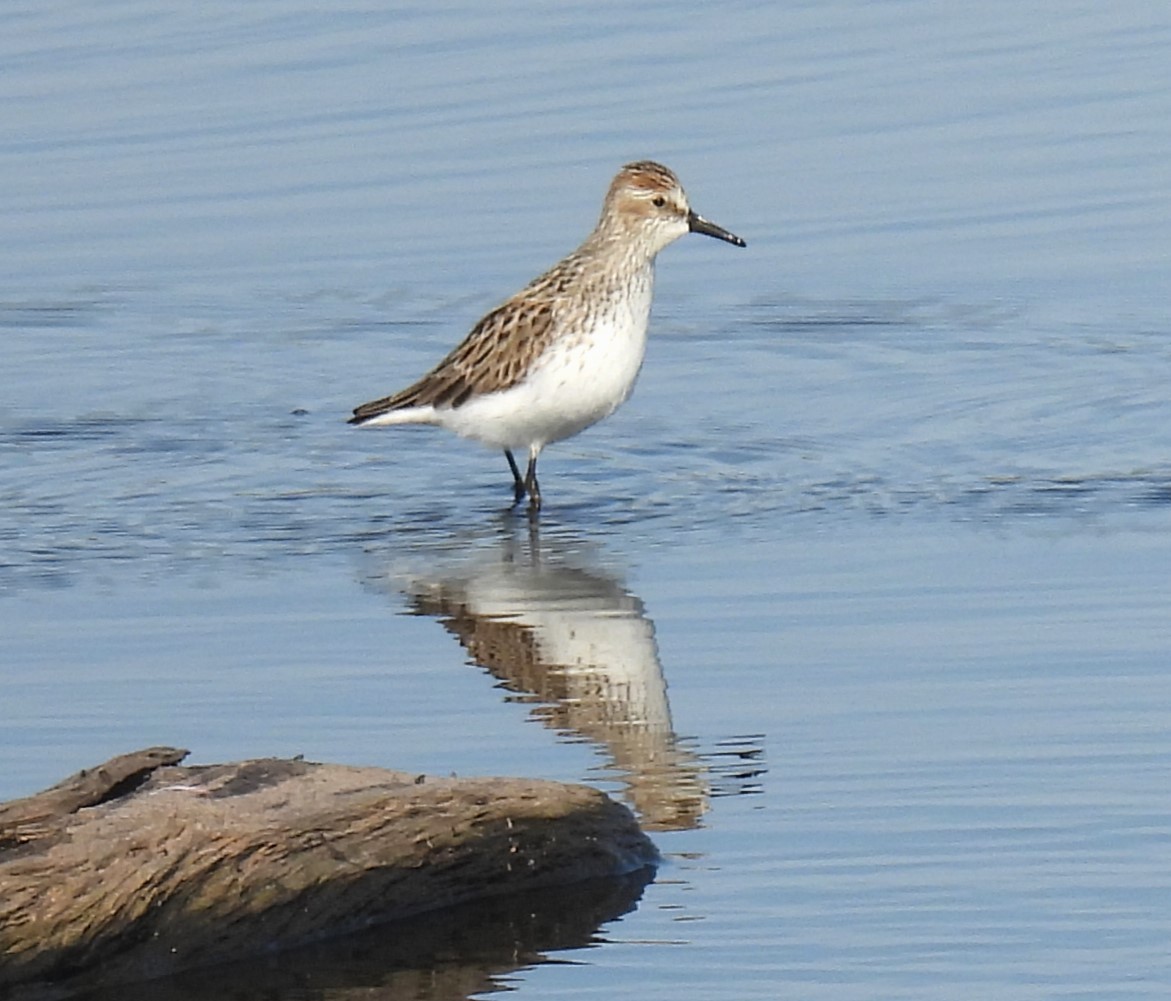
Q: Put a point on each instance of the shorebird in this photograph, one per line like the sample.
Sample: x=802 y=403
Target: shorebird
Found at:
x=564 y=352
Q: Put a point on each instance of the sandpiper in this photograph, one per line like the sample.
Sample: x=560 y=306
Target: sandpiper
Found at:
x=563 y=352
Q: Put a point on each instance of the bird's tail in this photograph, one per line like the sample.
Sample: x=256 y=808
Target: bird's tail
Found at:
x=379 y=413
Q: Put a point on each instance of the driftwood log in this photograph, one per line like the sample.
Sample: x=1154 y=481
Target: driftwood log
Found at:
x=142 y=867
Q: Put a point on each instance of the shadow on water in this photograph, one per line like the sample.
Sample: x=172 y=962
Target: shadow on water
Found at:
x=561 y=633
x=42 y=314
x=445 y=956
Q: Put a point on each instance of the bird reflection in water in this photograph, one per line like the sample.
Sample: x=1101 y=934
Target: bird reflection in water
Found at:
x=566 y=636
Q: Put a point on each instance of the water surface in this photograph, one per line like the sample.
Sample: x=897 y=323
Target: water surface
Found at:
x=860 y=601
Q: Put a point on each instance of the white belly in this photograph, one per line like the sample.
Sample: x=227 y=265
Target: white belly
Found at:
x=576 y=383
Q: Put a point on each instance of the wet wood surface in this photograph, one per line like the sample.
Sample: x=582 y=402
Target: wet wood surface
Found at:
x=143 y=866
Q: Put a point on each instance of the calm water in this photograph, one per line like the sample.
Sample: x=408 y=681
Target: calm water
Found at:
x=860 y=602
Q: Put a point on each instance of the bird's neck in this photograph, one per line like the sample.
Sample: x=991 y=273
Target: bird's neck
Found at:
x=617 y=244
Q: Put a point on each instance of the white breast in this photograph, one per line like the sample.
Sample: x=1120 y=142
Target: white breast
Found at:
x=584 y=376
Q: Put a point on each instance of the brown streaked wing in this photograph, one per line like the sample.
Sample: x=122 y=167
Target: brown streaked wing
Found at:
x=495 y=355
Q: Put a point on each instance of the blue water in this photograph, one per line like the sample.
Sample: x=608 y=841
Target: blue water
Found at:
x=860 y=601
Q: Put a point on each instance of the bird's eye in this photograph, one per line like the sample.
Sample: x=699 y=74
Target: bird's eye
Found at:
x=658 y=201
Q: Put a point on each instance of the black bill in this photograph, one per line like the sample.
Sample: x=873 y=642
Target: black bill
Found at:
x=698 y=224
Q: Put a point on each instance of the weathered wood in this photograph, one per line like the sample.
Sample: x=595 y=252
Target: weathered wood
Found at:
x=154 y=867
x=470 y=950
x=22 y=819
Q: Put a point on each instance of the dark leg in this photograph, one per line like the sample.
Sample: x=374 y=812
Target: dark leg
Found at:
x=532 y=486
x=518 y=484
